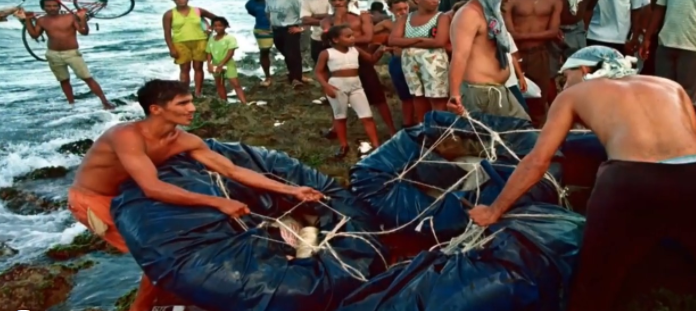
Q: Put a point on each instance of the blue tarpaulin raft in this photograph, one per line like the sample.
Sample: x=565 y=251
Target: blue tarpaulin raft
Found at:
x=200 y=255
x=528 y=261
x=526 y=266
x=402 y=179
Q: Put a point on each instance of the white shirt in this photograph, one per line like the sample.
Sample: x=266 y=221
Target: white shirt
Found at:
x=679 y=30
x=611 y=20
x=512 y=80
x=311 y=7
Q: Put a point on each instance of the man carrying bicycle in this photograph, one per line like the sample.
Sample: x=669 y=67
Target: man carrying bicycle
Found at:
x=63 y=52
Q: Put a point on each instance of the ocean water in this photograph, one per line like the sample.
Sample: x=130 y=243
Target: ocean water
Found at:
x=35 y=120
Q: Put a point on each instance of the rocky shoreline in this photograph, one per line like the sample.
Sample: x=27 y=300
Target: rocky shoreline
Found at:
x=290 y=122
x=48 y=281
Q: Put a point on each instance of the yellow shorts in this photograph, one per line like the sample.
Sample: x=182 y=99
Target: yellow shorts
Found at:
x=264 y=38
x=190 y=51
x=59 y=61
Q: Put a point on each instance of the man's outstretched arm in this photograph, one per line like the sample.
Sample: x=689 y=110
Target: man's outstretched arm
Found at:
x=533 y=166
x=200 y=152
x=130 y=149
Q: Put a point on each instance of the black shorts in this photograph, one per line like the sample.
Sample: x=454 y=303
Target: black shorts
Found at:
x=371 y=84
x=634 y=207
x=315 y=48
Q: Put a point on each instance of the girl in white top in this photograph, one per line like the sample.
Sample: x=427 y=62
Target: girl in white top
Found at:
x=344 y=87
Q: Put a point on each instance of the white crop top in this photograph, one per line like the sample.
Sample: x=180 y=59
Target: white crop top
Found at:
x=342 y=61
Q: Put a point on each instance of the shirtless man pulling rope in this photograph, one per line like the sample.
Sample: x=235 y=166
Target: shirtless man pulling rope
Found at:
x=643 y=193
x=133 y=150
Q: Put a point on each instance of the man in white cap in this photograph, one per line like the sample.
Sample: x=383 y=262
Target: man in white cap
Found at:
x=643 y=193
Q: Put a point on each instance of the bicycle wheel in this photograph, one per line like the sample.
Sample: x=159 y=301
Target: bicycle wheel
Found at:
x=33 y=46
x=106 y=9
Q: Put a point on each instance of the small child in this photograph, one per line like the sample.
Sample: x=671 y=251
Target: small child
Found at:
x=344 y=87
x=220 y=49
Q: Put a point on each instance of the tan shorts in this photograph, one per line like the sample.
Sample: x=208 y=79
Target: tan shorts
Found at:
x=491 y=99
x=59 y=61
x=190 y=51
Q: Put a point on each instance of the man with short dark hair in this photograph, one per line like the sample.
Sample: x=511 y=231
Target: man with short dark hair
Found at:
x=133 y=150
x=63 y=48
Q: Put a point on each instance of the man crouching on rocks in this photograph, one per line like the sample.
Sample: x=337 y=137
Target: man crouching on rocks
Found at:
x=133 y=150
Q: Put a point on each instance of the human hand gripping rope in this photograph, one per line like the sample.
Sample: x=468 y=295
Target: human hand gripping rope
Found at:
x=306 y=240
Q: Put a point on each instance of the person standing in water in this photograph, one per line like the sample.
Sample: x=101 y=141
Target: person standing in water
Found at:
x=423 y=35
x=220 y=50
x=133 y=150
x=644 y=192
x=63 y=48
x=186 y=37
x=344 y=87
x=263 y=35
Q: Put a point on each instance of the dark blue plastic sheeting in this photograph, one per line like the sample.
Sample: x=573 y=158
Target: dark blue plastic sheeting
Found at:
x=200 y=255
x=398 y=201
x=583 y=153
x=527 y=266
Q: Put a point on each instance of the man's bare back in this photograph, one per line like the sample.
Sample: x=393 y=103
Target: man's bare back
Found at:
x=528 y=20
x=61 y=31
x=101 y=160
x=637 y=118
x=469 y=36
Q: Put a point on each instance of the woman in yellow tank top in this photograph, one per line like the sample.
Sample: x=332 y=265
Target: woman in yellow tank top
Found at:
x=186 y=33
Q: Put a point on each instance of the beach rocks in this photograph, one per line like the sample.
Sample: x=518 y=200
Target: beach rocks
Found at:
x=6 y=250
x=82 y=244
x=24 y=287
x=27 y=203
x=79 y=147
x=44 y=173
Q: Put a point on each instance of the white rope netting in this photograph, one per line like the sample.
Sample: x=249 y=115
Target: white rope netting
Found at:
x=473 y=236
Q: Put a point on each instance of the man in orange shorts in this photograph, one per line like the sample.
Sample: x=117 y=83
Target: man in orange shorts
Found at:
x=133 y=150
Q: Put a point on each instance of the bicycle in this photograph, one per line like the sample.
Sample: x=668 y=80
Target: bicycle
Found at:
x=95 y=9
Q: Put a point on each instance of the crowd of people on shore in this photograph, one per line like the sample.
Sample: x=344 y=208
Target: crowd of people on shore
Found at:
x=460 y=58
x=537 y=38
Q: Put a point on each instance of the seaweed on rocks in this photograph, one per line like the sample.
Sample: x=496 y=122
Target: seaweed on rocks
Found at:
x=79 y=147
x=44 y=173
x=123 y=303
x=26 y=203
x=289 y=121
x=83 y=244
x=25 y=287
